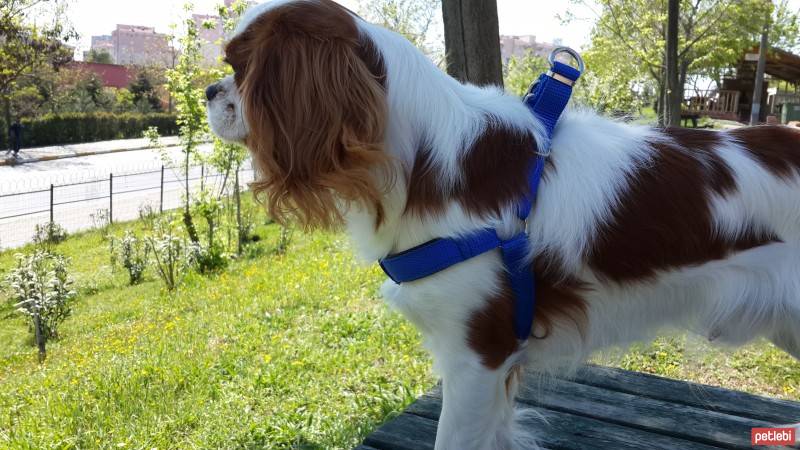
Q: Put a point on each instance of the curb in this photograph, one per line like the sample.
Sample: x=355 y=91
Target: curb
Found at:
x=10 y=161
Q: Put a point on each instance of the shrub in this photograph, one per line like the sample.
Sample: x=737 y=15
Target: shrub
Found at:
x=284 y=240
x=41 y=289
x=72 y=128
x=101 y=220
x=133 y=255
x=148 y=214
x=173 y=257
x=49 y=234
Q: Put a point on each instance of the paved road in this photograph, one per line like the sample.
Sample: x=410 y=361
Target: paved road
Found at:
x=82 y=189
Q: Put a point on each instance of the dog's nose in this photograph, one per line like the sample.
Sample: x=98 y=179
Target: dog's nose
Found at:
x=212 y=91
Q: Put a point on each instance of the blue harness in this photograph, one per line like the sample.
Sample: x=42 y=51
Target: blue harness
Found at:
x=546 y=99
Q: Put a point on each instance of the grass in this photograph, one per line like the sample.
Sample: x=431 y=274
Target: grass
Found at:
x=277 y=351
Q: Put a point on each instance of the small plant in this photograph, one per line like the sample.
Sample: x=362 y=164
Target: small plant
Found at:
x=101 y=220
x=133 y=256
x=49 y=234
x=173 y=257
x=42 y=290
x=148 y=214
x=284 y=240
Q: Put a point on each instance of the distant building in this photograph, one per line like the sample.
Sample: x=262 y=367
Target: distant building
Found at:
x=102 y=44
x=211 y=38
x=521 y=45
x=111 y=75
x=140 y=46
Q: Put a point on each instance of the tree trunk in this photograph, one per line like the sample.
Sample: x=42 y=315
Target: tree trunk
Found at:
x=755 y=110
x=673 y=91
x=660 y=112
x=41 y=340
x=472 y=41
x=187 y=213
x=683 y=73
x=239 y=231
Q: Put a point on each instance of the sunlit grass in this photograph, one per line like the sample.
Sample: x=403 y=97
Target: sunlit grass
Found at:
x=277 y=351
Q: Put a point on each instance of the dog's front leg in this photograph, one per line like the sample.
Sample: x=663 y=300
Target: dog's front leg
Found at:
x=477 y=406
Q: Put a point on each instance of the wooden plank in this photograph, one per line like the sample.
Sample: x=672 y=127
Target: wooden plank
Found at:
x=405 y=432
x=573 y=432
x=693 y=394
x=658 y=416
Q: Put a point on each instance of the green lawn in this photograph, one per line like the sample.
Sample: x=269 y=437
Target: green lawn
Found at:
x=278 y=351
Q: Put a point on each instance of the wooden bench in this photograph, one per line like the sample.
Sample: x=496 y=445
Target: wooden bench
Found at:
x=605 y=408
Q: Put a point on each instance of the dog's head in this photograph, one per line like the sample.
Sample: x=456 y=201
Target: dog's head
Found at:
x=307 y=97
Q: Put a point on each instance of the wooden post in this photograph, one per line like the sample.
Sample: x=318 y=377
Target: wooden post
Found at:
x=755 y=110
x=472 y=41
x=161 y=198
x=111 y=198
x=672 y=100
x=51 y=202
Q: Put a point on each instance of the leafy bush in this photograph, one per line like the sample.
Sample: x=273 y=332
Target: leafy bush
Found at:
x=133 y=254
x=71 y=128
x=41 y=289
x=173 y=257
x=49 y=234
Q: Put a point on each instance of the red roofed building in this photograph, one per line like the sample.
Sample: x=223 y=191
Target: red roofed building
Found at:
x=112 y=75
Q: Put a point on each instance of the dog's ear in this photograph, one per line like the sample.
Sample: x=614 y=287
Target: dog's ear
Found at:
x=316 y=112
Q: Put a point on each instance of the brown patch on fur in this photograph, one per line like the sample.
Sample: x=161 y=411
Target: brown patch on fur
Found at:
x=776 y=147
x=664 y=220
x=313 y=97
x=495 y=173
x=491 y=329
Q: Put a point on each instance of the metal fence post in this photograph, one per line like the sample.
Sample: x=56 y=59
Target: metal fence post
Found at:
x=111 y=198
x=202 y=176
x=161 y=200
x=51 y=202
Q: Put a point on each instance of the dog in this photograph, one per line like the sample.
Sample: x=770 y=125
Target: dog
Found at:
x=634 y=228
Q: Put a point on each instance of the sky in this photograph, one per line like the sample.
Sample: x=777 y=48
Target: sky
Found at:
x=517 y=17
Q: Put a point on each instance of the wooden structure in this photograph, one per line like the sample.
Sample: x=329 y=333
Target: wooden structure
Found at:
x=605 y=408
x=734 y=100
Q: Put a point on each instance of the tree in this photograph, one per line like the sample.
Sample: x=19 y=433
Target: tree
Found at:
x=99 y=56
x=521 y=71
x=414 y=19
x=144 y=93
x=712 y=35
x=27 y=48
x=673 y=94
x=472 y=41
x=184 y=85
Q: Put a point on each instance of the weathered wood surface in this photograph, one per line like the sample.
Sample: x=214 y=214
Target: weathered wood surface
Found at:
x=604 y=408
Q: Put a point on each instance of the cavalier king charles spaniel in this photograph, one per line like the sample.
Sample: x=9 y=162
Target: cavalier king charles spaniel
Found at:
x=634 y=229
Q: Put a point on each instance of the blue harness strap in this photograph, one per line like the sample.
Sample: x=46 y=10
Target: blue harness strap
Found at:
x=546 y=99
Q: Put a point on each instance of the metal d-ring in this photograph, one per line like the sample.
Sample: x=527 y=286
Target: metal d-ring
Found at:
x=575 y=56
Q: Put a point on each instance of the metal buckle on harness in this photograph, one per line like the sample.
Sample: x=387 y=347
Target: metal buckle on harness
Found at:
x=575 y=57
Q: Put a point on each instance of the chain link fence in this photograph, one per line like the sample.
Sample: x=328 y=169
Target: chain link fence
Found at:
x=90 y=203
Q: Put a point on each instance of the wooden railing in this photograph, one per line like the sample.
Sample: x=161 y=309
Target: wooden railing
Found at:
x=714 y=103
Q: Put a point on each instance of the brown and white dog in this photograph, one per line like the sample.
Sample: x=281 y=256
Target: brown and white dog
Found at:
x=634 y=229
